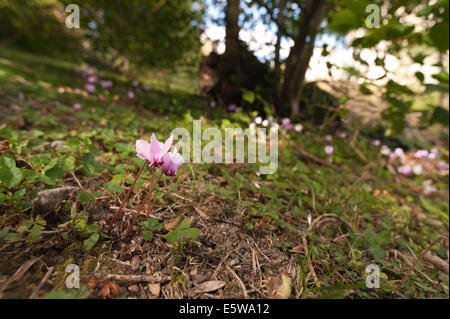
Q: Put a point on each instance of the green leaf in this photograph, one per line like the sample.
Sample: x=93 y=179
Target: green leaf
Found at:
x=378 y=252
x=152 y=224
x=249 y=96
x=440 y=116
x=7 y=162
x=113 y=187
x=439 y=36
x=370 y=236
x=91 y=241
x=10 y=176
x=6 y=236
x=25 y=226
x=147 y=235
x=344 y=21
x=86 y=197
x=35 y=232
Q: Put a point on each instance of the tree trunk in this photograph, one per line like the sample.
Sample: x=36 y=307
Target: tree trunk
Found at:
x=230 y=92
x=232 y=29
x=300 y=54
x=277 y=68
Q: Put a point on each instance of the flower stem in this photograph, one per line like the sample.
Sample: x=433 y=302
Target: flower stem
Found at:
x=126 y=197
x=143 y=203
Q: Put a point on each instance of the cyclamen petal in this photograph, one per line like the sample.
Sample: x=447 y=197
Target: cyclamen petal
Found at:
x=171 y=162
x=329 y=149
x=158 y=150
x=421 y=154
x=143 y=150
x=404 y=170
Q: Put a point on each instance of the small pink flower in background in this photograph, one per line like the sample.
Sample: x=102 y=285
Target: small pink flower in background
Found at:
x=421 y=154
x=90 y=88
x=329 y=150
x=232 y=107
x=106 y=84
x=92 y=79
x=404 y=170
x=146 y=87
x=77 y=106
x=130 y=94
x=328 y=138
x=135 y=83
x=171 y=162
x=376 y=143
x=286 y=124
x=399 y=152
x=434 y=154
x=285 y=121
x=343 y=135
x=153 y=151
x=212 y=104
x=443 y=166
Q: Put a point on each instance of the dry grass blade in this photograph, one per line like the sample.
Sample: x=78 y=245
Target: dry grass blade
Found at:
x=18 y=274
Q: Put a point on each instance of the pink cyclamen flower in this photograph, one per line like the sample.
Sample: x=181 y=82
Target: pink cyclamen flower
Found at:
x=434 y=154
x=106 y=84
x=146 y=87
x=443 y=166
x=376 y=143
x=171 y=162
x=213 y=104
x=286 y=124
x=421 y=154
x=343 y=135
x=153 y=151
x=92 y=79
x=232 y=107
x=90 y=88
x=77 y=106
x=329 y=149
x=404 y=170
x=399 y=152
x=328 y=138
x=135 y=83
x=130 y=94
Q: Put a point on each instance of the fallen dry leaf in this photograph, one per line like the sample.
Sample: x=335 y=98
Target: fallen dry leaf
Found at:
x=155 y=289
x=278 y=287
x=171 y=225
x=4 y=147
x=110 y=290
x=209 y=286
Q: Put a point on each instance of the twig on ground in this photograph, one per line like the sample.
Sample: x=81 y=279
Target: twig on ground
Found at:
x=239 y=281
x=138 y=278
x=18 y=274
x=417 y=261
x=357 y=151
x=436 y=261
x=43 y=281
